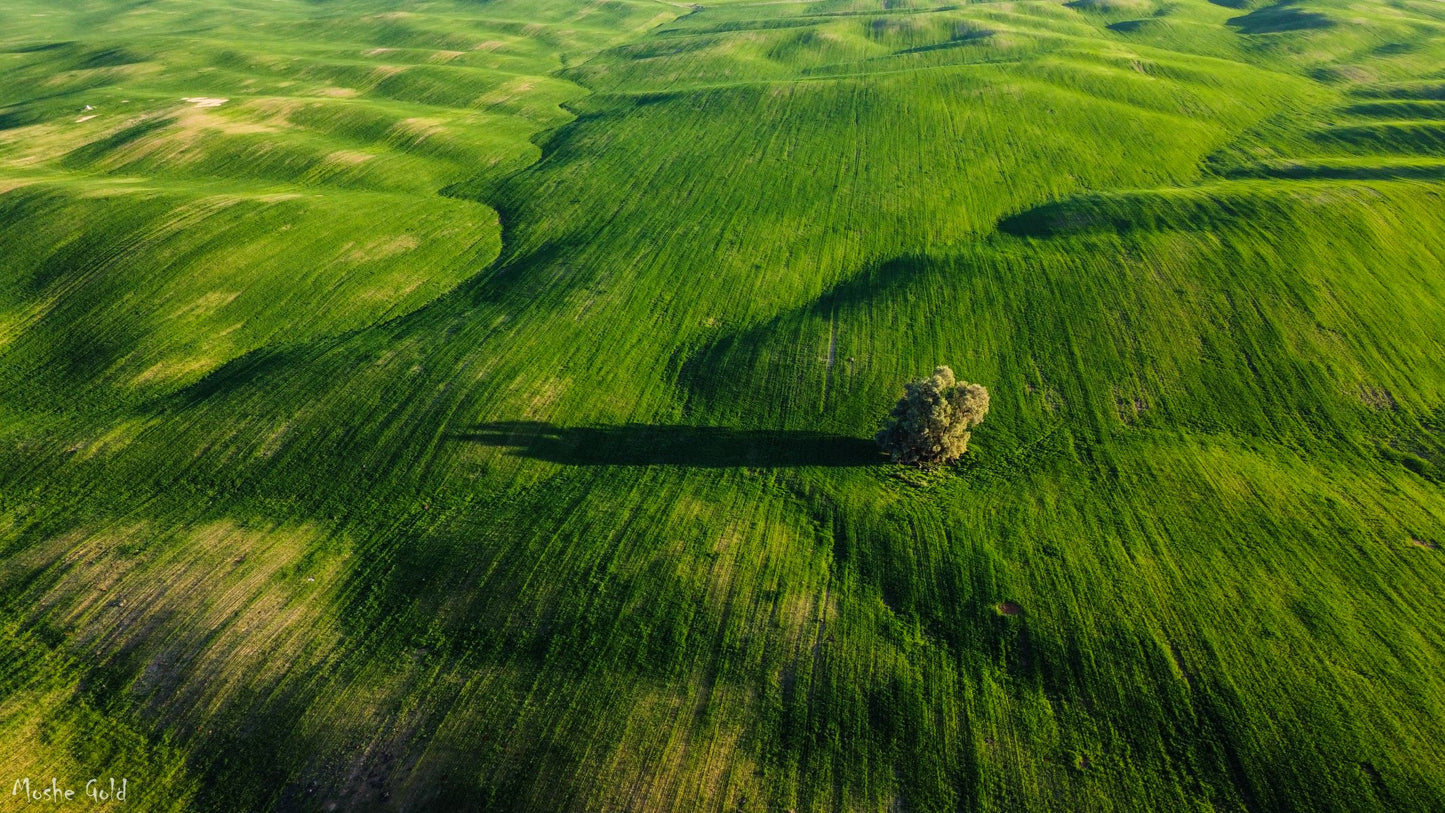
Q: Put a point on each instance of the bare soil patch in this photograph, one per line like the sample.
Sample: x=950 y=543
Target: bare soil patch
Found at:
x=1378 y=398
x=349 y=158
x=383 y=248
x=1009 y=608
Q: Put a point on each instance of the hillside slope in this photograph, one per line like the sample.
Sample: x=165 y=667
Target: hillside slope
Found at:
x=443 y=405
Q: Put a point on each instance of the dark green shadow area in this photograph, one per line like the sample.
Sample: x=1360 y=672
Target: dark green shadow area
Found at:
x=671 y=445
x=1278 y=19
x=1328 y=172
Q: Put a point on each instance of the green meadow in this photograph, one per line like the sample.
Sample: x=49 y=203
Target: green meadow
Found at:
x=456 y=405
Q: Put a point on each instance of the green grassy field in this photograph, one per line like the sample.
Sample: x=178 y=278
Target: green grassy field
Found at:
x=467 y=405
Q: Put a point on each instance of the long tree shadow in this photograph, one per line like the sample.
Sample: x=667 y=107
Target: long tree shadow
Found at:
x=648 y=445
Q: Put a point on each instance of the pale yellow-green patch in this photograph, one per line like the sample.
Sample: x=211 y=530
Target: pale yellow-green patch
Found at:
x=206 y=304
x=201 y=118
x=183 y=142
x=674 y=755
x=348 y=158
x=208 y=611
x=507 y=92
x=420 y=128
x=112 y=440
x=381 y=248
x=273 y=441
x=541 y=396
x=39 y=740
x=10 y=327
x=391 y=293
x=383 y=72
x=272 y=111
x=171 y=371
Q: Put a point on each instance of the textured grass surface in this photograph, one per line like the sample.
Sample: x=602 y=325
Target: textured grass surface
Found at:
x=465 y=406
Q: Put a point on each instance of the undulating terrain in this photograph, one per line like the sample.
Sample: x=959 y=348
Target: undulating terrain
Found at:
x=468 y=405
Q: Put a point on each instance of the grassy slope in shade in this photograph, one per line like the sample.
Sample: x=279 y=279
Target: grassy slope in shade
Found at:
x=444 y=405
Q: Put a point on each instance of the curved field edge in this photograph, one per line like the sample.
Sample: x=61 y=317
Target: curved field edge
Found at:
x=599 y=529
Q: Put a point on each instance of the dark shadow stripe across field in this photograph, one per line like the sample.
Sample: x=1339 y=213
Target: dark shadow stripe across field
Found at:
x=671 y=445
x=1305 y=170
x=1128 y=26
x=961 y=37
x=1144 y=211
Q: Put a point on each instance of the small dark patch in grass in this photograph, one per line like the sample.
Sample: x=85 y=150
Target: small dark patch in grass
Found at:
x=1378 y=398
x=1424 y=543
x=1051 y=219
x=38 y=47
x=1411 y=458
x=968 y=36
x=108 y=58
x=645 y=99
x=17 y=117
x=48 y=633
x=235 y=374
x=666 y=445
x=1278 y=19
x=1128 y=26
x=1009 y=608
x=1395 y=48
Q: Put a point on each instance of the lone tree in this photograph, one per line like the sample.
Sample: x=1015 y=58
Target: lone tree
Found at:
x=930 y=424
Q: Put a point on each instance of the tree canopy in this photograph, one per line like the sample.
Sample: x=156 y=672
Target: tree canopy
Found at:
x=930 y=424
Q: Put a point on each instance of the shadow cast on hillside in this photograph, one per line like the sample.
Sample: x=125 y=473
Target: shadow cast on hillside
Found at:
x=1304 y=171
x=1279 y=19
x=650 y=445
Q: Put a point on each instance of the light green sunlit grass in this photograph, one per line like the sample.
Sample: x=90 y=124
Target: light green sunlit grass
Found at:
x=448 y=405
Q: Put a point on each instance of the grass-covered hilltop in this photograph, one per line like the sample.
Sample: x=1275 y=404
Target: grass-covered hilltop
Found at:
x=459 y=405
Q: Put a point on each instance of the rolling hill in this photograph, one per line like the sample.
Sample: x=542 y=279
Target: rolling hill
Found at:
x=438 y=404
